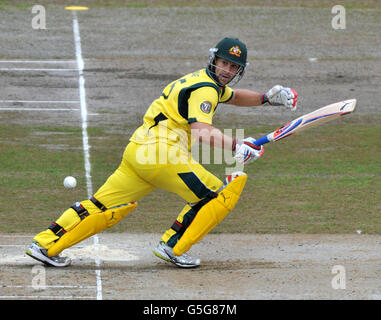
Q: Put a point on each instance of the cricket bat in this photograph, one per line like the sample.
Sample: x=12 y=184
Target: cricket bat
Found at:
x=309 y=120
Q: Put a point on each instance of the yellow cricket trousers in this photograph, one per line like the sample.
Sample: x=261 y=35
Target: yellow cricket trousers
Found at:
x=143 y=169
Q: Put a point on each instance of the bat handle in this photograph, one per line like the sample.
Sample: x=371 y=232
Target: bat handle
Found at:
x=263 y=140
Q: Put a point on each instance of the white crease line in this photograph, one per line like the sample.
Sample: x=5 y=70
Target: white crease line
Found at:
x=49 y=286
x=12 y=245
x=47 y=297
x=14 y=236
x=41 y=101
x=37 y=69
x=37 y=61
x=85 y=138
x=37 y=109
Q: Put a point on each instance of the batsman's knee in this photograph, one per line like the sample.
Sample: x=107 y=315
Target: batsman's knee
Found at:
x=212 y=213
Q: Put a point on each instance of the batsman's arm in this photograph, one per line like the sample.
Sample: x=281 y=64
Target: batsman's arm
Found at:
x=245 y=150
x=206 y=133
x=276 y=96
x=246 y=98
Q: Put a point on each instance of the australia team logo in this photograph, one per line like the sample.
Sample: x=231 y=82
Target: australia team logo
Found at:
x=206 y=107
x=235 y=51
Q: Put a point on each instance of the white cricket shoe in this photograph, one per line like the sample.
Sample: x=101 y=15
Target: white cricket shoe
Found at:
x=36 y=251
x=166 y=253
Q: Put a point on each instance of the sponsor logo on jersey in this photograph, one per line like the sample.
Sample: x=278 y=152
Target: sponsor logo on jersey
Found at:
x=206 y=107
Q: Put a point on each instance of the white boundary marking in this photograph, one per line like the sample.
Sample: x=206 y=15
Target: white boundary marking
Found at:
x=85 y=138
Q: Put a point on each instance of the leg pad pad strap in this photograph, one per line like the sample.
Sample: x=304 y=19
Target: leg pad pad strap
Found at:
x=92 y=224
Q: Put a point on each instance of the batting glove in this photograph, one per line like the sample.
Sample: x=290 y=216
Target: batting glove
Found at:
x=246 y=150
x=280 y=96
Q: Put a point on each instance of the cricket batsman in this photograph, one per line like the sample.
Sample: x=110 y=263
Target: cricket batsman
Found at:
x=158 y=155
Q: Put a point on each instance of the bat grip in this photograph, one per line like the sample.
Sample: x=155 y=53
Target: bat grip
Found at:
x=262 y=141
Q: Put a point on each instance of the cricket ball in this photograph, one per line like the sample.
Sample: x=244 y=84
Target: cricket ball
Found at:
x=70 y=182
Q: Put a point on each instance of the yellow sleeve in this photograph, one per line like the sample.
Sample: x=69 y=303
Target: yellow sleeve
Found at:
x=227 y=94
x=202 y=104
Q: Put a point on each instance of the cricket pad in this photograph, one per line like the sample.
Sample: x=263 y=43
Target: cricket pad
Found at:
x=211 y=214
x=90 y=226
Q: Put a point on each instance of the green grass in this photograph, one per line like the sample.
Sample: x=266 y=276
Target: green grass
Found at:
x=325 y=180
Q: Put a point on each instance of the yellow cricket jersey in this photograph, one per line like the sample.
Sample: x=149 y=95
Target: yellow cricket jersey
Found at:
x=192 y=98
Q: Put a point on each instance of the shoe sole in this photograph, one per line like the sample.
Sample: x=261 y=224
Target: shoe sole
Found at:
x=40 y=257
x=185 y=266
x=159 y=255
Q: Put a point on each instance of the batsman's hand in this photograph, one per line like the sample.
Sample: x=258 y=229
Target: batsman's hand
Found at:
x=246 y=151
x=280 y=96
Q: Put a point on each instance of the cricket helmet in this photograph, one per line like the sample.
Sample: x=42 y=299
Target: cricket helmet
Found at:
x=233 y=50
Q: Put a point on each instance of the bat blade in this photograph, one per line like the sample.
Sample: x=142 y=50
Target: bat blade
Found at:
x=309 y=120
